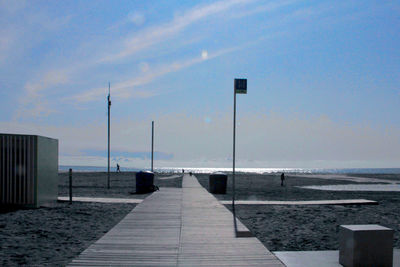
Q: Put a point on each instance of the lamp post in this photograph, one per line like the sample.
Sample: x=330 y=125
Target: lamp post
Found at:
x=240 y=87
x=109 y=107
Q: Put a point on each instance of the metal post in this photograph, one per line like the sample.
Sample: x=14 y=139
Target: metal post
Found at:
x=234 y=141
x=70 y=186
x=240 y=87
x=109 y=107
x=152 y=144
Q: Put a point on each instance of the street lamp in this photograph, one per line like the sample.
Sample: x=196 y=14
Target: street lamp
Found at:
x=240 y=87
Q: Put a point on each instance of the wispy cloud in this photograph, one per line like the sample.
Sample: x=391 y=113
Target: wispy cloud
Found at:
x=129 y=88
x=22 y=27
x=264 y=8
x=7 y=38
x=159 y=33
x=140 y=42
x=33 y=103
x=135 y=18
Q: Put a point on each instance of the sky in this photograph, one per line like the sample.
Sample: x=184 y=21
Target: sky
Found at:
x=323 y=81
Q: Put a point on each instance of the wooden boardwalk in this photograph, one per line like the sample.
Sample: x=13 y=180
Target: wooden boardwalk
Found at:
x=177 y=227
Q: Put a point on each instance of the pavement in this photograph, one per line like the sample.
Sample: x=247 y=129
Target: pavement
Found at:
x=325 y=258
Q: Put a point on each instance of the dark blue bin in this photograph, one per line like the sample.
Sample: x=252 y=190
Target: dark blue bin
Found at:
x=144 y=182
x=218 y=182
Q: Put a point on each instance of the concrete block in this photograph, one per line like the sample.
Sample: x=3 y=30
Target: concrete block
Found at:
x=365 y=245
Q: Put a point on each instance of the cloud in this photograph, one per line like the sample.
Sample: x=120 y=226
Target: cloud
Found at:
x=11 y=7
x=129 y=88
x=144 y=66
x=22 y=26
x=136 y=18
x=35 y=99
x=33 y=103
x=7 y=38
x=268 y=7
x=160 y=33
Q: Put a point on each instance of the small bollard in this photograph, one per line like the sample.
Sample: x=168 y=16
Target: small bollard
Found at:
x=70 y=186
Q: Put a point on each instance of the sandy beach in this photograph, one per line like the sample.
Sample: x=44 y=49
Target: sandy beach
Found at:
x=56 y=234
x=296 y=228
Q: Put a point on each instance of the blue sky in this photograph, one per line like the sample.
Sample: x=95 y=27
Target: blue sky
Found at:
x=323 y=80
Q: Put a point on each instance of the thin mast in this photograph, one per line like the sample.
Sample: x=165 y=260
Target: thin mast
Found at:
x=109 y=107
x=152 y=145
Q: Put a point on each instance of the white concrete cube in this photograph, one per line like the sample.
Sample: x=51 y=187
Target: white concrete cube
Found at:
x=365 y=245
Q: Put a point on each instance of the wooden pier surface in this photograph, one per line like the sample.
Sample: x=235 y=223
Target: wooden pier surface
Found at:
x=177 y=227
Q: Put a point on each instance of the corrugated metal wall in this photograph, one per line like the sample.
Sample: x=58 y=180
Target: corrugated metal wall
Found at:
x=17 y=159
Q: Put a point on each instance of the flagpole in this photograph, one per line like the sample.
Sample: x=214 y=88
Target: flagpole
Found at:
x=109 y=107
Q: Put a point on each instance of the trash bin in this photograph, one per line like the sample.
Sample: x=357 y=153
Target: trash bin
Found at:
x=218 y=183
x=144 y=182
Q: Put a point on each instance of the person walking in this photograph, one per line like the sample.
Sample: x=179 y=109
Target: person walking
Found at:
x=118 y=169
x=282 y=178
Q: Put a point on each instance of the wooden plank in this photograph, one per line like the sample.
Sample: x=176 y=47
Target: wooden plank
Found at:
x=305 y=202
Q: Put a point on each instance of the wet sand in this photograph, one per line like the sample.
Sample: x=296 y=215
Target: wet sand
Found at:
x=295 y=227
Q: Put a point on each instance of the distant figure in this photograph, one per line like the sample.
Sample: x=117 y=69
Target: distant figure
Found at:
x=282 y=178
x=183 y=171
x=118 y=169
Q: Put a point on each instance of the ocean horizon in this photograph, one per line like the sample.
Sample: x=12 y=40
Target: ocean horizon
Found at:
x=65 y=168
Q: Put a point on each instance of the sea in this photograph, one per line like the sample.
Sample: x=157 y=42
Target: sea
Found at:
x=173 y=170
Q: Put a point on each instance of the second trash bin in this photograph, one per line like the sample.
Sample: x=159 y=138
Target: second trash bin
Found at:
x=144 y=182
x=218 y=183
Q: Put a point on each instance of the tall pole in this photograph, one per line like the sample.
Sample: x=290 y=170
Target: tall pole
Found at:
x=109 y=107
x=152 y=144
x=240 y=87
x=234 y=144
